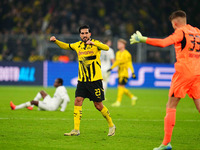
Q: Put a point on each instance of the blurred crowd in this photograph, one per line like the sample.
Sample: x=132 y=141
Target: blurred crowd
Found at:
x=105 y=17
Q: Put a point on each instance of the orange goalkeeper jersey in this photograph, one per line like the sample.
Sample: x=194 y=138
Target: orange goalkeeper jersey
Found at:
x=186 y=40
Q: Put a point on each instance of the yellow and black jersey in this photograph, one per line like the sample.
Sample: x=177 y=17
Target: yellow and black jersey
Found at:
x=88 y=57
x=124 y=62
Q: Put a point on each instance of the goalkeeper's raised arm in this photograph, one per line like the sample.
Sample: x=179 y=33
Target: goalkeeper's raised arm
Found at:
x=139 y=38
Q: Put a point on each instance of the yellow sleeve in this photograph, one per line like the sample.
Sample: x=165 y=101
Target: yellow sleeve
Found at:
x=101 y=46
x=127 y=59
x=130 y=64
x=131 y=67
x=64 y=45
x=122 y=61
x=116 y=63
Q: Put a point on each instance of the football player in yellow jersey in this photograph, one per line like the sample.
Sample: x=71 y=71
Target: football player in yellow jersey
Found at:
x=124 y=62
x=89 y=77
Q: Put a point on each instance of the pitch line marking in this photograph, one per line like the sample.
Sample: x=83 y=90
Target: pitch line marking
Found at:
x=136 y=120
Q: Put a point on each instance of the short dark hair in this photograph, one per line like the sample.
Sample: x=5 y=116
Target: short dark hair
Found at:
x=60 y=80
x=178 y=13
x=84 y=27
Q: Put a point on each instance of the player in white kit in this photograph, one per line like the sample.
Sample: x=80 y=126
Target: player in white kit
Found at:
x=60 y=99
x=107 y=57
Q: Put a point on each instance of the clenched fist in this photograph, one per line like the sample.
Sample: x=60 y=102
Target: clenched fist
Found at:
x=89 y=42
x=53 y=39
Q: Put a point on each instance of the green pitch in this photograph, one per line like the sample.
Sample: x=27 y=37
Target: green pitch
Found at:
x=138 y=128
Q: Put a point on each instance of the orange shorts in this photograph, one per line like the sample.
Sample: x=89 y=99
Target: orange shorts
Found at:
x=182 y=84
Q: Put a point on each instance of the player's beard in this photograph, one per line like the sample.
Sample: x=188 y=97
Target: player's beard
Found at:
x=85 y=39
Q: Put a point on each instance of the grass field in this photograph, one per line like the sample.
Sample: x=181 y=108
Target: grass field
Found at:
x=138 y=128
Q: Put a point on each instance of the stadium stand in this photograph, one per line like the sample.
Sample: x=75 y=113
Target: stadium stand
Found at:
x=24 y=22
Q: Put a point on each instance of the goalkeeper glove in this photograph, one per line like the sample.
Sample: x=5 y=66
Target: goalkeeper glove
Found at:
x=133 y=76
x=137 y=38
x=109 y=70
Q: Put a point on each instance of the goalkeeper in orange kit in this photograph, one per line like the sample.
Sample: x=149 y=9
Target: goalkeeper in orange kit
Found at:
x=186 y=79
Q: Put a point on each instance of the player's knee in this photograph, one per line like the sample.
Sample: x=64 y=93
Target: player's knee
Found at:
x=98 y=106
x=78 y=101
x=42 y=92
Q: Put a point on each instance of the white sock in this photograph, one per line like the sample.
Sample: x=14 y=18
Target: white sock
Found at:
x=38 y=97
x=24 y=105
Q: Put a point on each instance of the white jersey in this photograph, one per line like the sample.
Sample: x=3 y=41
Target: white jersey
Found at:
x=60 y=99
x=106 y=57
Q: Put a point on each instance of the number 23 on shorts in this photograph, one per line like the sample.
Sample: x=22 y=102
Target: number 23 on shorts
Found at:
x=97 y=92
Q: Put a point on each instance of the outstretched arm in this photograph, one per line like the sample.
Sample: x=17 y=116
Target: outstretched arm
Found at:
x=177 y=36
x=60 y=44
x=160 y=42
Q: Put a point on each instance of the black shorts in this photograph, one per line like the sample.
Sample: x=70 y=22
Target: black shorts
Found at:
x=92 y=90
x=122 y=80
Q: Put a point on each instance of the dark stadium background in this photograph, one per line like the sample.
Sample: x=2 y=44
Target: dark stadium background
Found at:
x=26 y=25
